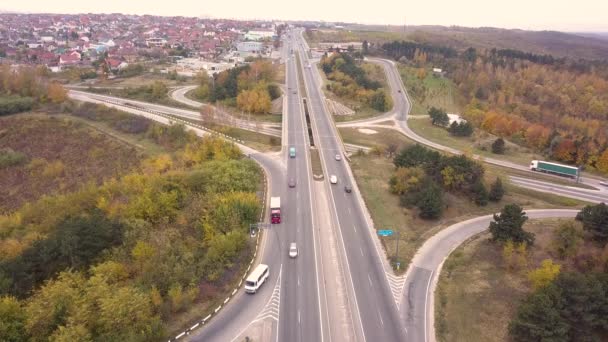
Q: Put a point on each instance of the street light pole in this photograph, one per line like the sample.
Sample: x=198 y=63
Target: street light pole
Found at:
x=397 y=251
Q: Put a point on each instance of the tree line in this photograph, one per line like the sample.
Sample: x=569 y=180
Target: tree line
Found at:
x=555 y=106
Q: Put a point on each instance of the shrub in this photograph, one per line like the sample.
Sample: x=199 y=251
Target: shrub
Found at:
x=15 y=104
x=8 y=157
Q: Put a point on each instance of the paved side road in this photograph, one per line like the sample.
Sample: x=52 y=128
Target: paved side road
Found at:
x=417 y=308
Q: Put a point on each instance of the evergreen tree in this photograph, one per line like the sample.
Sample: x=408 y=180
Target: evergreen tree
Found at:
x=430 y=201
x=479 y=194
x=508 y=225
x=496 y=191
x=595 y=220
x=438 y=117
x=498 y=146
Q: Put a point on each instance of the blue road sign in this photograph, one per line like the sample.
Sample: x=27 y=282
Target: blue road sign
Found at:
x=385 y=232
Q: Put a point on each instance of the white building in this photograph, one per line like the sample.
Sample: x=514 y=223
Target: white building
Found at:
x=259 y=35
x=251 y=47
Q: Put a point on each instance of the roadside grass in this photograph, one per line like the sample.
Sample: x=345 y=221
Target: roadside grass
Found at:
x=383 y=138
x=315 y=164
x=432 y=91
x=479 y=143
x=122 y=93
x=372 y=174
x=477 y=296
x=145 y=79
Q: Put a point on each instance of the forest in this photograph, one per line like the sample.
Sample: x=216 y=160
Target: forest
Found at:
x=556 y=106
x=250 y=87
x=123 y=259
x=350 y=80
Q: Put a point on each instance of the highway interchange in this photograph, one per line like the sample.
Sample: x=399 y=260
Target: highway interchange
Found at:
x=340 y=287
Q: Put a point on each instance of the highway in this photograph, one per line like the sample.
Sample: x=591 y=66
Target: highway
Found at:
x=377 y=318
x=417 y=308
x=295 y=304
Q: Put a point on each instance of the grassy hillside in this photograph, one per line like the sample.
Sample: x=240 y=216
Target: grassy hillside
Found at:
x=558 y=44
x=59 y=155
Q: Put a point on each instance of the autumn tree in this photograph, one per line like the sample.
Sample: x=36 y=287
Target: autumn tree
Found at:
x=255 y=101
x=543 y=275
x=56 y=92
x=406 y=179
x=12 y=320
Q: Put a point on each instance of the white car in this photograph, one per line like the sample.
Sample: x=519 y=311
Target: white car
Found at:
x=338 y=157
x=333 y=179
x=293 y=250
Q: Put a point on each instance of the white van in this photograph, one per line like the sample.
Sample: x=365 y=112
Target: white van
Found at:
x=257 y=278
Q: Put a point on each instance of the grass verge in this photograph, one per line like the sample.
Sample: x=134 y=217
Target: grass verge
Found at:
x=315 y=164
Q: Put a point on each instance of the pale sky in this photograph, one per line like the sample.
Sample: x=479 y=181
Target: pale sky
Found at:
x=561 y=15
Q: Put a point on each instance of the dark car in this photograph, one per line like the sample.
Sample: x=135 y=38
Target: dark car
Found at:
x=292 y=183
x=348 y=188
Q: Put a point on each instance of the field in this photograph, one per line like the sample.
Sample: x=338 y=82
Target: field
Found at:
x=476 y=296
x=431 y=91
x=372 y=173
x=60 y=156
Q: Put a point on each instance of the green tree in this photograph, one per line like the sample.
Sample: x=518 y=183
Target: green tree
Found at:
x=480 y=194
x=595 y=220
x=438 y=116
x=508 y=225
x=543 y=275
x=498 y=146
x=430 y=201
x=416 y=155
x=159 y=90
x=497 y=191
x=538 y=318
x=566 y=239
x=12 y=320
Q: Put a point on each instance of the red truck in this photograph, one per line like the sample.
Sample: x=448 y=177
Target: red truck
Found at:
x=275 y=209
